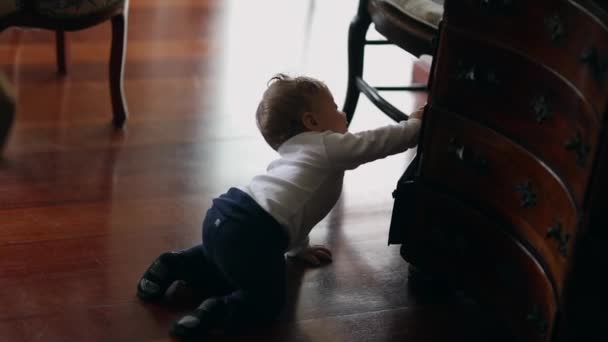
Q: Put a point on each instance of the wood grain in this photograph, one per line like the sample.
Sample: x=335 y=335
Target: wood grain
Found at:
x=85 y=209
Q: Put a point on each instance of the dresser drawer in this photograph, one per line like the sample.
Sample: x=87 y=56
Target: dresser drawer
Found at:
x=560 y=34
x=525 y=101
x=458 y=243
x=484 y=167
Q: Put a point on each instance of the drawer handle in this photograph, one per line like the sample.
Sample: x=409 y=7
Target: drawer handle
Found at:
x=540 y=324
x=592 y=58
x=555 y=26
x=576 y=145
x=466 y=73
x=541 y=109
x=528 y=197
x=468 y=157
x=556 y=232
x=476 y=75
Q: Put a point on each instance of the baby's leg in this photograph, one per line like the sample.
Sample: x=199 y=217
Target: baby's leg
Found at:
x=158 y=277
x=259 y=300
x=189 y=265
x=251 y=258
x=209 y=315
x=199 y=272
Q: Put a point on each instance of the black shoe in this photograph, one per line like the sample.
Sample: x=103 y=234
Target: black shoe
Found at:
x=195 y=324
x=158 y=277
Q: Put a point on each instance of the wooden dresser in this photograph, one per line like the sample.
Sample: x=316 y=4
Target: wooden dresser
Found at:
x=507 y=197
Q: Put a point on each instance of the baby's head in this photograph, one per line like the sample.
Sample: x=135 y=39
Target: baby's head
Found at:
x=292 y=105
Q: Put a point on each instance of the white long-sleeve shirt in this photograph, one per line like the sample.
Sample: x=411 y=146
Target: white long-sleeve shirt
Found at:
x=303 y=185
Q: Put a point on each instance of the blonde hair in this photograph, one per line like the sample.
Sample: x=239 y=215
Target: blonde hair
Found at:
x=279 y=114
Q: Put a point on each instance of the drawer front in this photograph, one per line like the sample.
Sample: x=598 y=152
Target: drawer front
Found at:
x=523 y=100
x=484 y=167
x=560 y=34
x=457 y=242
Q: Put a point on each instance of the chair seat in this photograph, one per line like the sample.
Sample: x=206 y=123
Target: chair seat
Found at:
x=427 y=11
x=409 y=24
x=70 y=9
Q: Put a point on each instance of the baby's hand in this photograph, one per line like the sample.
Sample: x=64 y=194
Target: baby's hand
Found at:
x=314 y=255
x=418 y=113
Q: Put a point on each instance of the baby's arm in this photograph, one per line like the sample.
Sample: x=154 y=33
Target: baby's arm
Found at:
x=347 y=151
x=313 y=255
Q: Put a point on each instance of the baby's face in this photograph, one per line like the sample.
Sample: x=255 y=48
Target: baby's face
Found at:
x=329 y=117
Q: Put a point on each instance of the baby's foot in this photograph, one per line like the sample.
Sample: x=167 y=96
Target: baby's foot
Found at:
x=159 y=276
x=205 y=318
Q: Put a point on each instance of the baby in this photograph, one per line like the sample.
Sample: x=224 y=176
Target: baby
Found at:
x=249 y=230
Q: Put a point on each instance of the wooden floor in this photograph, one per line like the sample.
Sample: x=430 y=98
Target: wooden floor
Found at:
x=85 y=209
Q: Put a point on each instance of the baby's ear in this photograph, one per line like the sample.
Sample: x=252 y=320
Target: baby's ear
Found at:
x=309 y=121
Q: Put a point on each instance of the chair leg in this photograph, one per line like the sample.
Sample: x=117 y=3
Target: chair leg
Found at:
x=61 y=51
x=117 y=62
x=7 y=116
x=356 y=48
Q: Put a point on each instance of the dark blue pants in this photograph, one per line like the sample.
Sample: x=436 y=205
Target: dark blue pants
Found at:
x=243 y=253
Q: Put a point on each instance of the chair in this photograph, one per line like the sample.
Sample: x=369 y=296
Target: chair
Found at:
x=410 y=24
x=72 y=15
